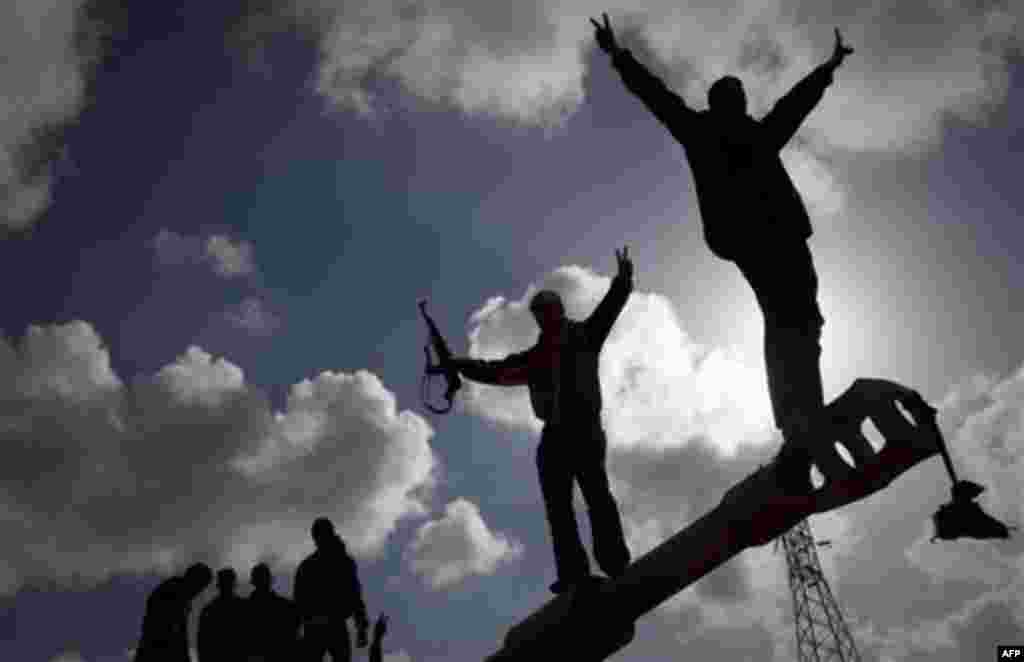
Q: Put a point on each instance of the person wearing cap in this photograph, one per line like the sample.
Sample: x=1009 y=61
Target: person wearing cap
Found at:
x=165 y=622
x=327 y=593
x=561 y=371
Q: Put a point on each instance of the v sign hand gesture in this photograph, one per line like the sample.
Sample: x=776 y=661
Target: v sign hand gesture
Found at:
x=604 y=35
x=840 y=51
x=380 y=627
x=625 y=264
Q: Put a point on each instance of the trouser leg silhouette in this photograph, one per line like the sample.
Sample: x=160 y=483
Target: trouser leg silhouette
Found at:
x=567 y=454
x=556 y=484
x=340 y=645
x=333 y=638
x=794 y=377
x=786 y=286
x=610 y=549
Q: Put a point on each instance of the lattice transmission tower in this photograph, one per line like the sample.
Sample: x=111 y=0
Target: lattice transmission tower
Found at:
x=821 y=632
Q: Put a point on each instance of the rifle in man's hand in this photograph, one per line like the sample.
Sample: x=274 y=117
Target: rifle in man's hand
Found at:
x=443 y=366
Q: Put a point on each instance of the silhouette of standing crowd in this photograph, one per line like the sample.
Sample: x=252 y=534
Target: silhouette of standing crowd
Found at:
x=265 y=626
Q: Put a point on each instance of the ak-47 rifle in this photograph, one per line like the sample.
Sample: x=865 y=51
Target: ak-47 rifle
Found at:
x=443 y=366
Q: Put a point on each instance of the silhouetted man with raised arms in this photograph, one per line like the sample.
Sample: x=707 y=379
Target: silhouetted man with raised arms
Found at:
x=328 y=592
x=165 y=623
x=222 y=623
x=273 y=619
x=753 y=216
x=561 y=372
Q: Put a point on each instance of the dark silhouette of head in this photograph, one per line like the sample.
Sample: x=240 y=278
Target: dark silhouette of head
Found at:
x=324 y=534
x=727 y=98
x=197 y=578
x=226 y=580
x=548 y=310
x=260 y=577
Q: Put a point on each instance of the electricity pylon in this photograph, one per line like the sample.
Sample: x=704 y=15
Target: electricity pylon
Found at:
x=821 y=631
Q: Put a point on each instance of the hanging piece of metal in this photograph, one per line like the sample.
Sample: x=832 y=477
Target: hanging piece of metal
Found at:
x=962 y=517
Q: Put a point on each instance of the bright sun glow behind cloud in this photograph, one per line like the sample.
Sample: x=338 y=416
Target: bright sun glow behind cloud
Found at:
x=660 y=387
x=734 y=398
x=861 y=333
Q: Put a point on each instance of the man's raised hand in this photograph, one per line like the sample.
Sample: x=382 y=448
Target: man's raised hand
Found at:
x=625 y=264
x=840 y=50
x=380 y=627
x=604 y=35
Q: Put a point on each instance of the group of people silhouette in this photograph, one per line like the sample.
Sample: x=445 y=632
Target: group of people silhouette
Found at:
x=752 y=216
x=265 y=626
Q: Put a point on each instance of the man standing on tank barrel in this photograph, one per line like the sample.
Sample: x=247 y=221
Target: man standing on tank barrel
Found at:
x=561 y=371
x=753 y=216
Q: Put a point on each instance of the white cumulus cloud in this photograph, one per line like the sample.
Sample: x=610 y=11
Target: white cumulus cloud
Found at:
x=99 y=476
x=229 y=258
x=914 y=63
x=658 y=385
x=226 y=257
x=447 y=550
x=251 y=315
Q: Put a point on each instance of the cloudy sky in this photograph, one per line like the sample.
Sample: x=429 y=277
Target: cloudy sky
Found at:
x=215 y=224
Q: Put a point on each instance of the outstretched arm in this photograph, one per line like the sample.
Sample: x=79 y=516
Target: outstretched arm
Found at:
x=791 y=110
x=666 y=105
x=600 y=322
x=510 y=371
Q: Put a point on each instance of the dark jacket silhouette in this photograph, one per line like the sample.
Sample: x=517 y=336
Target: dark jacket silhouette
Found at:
x=569 y=389
x=327 y=593
x=273 y=620
x=165 y=622
x=327 y=585
x=561 y=371
x=222 y=623
x=744 y=193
